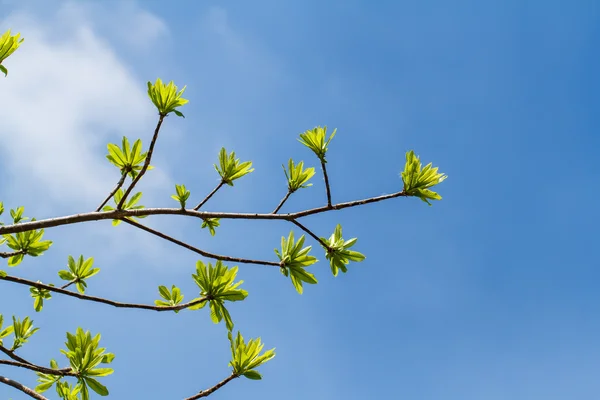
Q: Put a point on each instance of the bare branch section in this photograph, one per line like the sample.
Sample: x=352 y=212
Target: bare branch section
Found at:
x=30 y=392
x=213 y=389
x=305 y=229
x=80 y=296
x=209 y=195
x=37 y=368
x=146 y=163
x=197 y=250
x=326 y=184
x=112 y=193
x=282 y=202
x=14 y=253
x=120 y=214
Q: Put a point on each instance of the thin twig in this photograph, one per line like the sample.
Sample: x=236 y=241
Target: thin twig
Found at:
x=146 y=162
x=209 y=195
x=326 y=183
x=100 y=299
x=119 y=214
x=37 y=368
x=213 y=389
x=68 y=284
x=32 y=393
x=305 y=229
x=112 y=193
x=12 y=355
x=287 y=195
x=14 y=253
x=197 y=250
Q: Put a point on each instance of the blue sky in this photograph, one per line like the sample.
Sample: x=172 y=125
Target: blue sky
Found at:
x=488 y=294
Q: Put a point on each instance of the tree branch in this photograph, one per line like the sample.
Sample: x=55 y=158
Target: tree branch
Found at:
x=14 y=253
x=197 y=250
x=111 y=194
x=282 y=201
x=32 y=393
x=209 y=195
x=305 y=229
x=119 y=214
x=326 y=183
x=146 y=163
x=80 y=296
x=37 y=368
x=213 y=389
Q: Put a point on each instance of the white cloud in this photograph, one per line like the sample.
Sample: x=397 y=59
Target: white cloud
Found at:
x=67 y=95
x=63 y=100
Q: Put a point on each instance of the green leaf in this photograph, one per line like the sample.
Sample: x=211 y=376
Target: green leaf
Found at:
x=182 y=195
x=418 y=180
x=129 y=161
x=2 y=273
x=96 y=386
x=252 y=375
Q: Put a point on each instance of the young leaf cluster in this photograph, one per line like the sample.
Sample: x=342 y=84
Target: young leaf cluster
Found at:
x=417 y=180
x=211 y=224
x=85 y=359
x=245 y=357
x=181 y=196
x=298 y=177
x=130 y=205
x=230 y=168
x=22 y=330
x=172 y=297
x=315 y=139
x=17 y=215
x=217 y=284
x=39 y=294
x=26 y=243
x=78 y=271
x=8 y=44
x=294 y=259
x=337 y=251
x=166 y=98
x=129 y=160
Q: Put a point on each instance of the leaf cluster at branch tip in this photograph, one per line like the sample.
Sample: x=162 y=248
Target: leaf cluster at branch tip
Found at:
x=129 y=160
x=217 y=284
x=245 y=357
x=8 y=44
x=298 y=177
x=337 y=252
x=166 y=98
x=294 y=259
x=230 y=168
x=418 y=180
x=315 y=139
